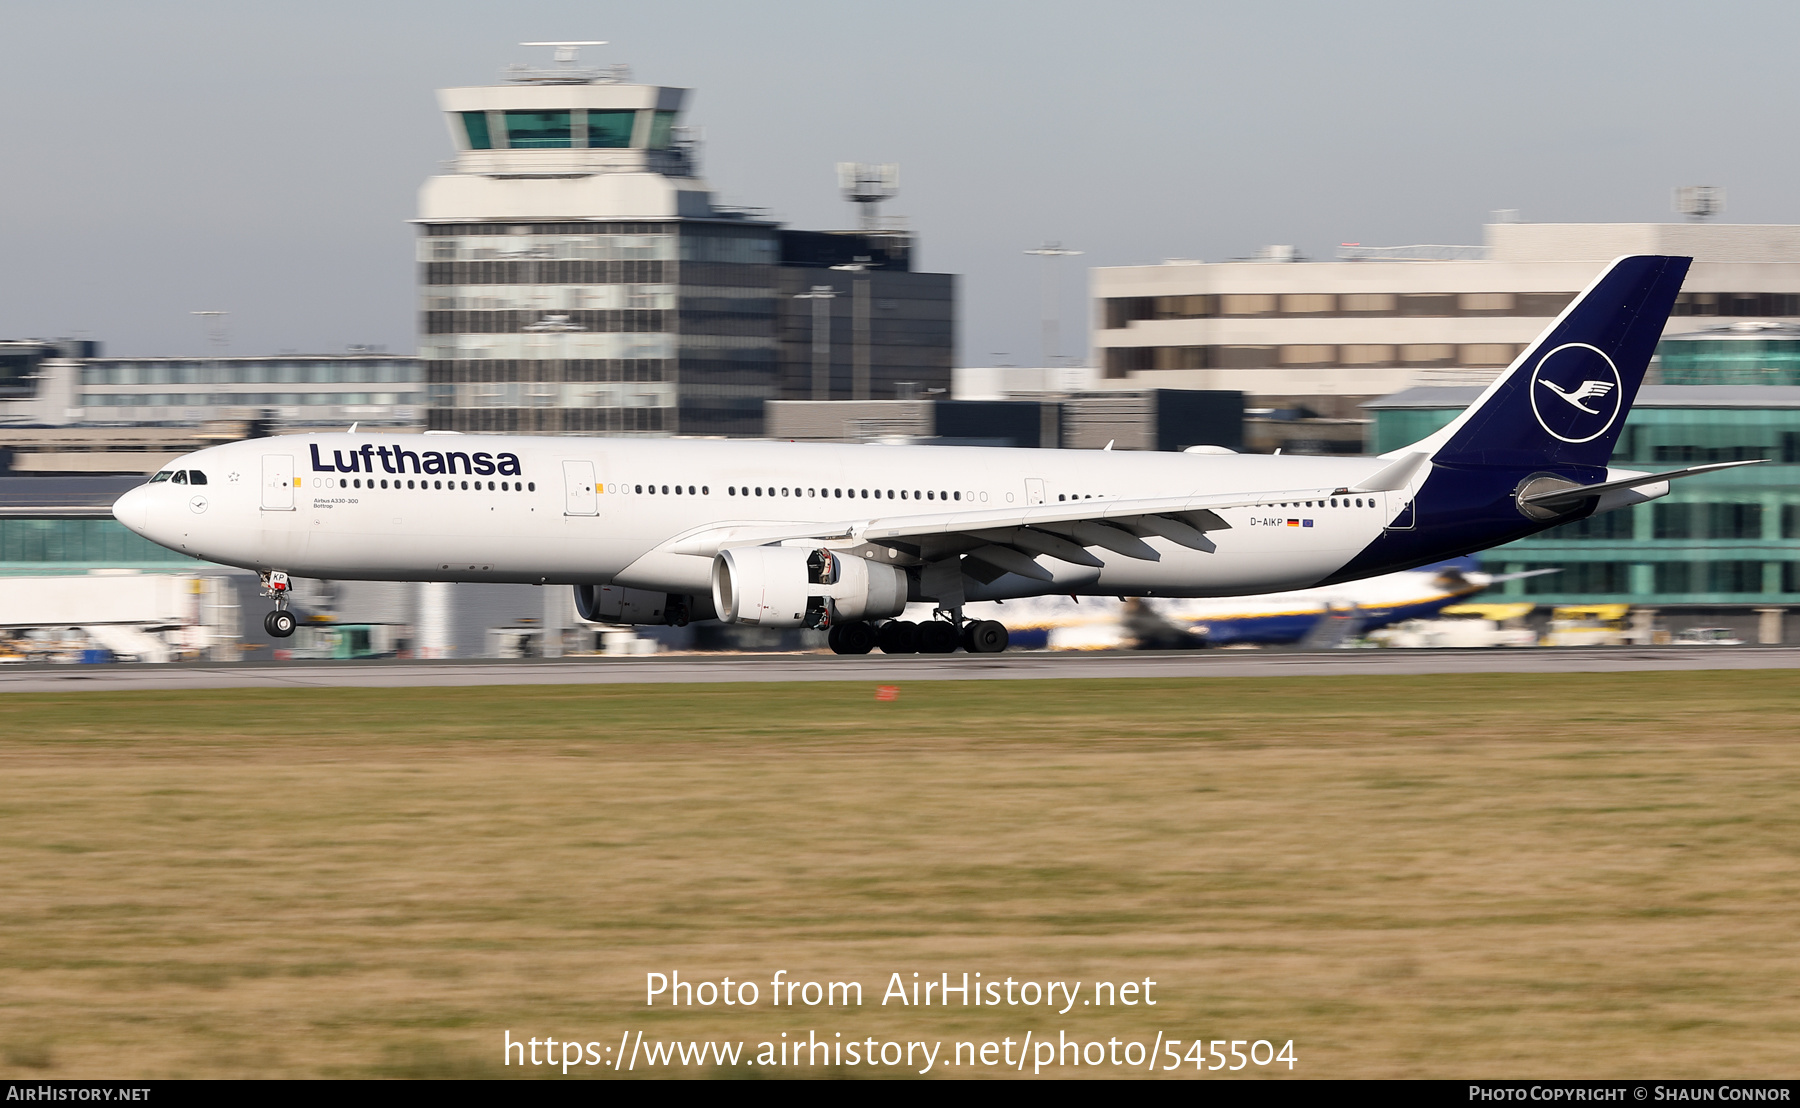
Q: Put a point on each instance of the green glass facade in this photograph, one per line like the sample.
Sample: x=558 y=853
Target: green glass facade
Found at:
x=1730 y=538
x=37 y=546
x=1721 y=358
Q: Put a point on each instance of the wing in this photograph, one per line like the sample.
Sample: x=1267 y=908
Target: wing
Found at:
x=1010 y=539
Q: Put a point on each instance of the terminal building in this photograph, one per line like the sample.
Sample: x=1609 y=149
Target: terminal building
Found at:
x=578 y=276
x=65 y=409
x=1327 y=336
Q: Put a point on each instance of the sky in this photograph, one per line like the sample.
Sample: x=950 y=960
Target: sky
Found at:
x=263 y=160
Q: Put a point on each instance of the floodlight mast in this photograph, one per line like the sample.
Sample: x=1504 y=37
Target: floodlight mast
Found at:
x=821 y=297
x=1052 y=343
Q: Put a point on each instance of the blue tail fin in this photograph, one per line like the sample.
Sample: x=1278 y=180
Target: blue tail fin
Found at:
x=1563 y=402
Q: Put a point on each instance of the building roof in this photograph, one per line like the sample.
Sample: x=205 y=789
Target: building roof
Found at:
x=1747 y=329
x=1650 y=396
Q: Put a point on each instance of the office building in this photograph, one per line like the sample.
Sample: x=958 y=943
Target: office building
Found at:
x=1327 y=335
x=1152 y=419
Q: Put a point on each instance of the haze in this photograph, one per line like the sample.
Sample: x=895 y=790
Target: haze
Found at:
x=264 y=161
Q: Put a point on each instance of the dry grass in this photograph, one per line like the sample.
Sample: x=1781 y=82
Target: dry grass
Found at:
x=1453 y=876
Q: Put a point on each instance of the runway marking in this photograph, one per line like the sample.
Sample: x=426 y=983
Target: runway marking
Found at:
x=699 y=668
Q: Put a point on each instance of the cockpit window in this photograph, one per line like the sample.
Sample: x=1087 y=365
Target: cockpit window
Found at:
x=181 y=477
x=163 y=476
x=195 y=477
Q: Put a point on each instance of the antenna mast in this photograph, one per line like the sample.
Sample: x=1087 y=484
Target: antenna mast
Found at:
x=1699 y=202
x=867 y=186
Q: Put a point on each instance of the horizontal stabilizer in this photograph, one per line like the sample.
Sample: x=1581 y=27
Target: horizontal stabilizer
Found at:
x=1553 y=497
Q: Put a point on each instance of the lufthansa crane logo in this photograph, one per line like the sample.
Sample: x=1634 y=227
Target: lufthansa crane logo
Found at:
x=1575 y=392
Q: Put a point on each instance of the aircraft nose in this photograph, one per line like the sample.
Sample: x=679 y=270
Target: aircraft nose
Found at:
x=133 y=509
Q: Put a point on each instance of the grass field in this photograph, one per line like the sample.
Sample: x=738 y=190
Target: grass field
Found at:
x=1586 y=875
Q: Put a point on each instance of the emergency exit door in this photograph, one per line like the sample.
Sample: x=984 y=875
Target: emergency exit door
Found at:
x=1034 y=490
x=278 y=482
x=579 y=495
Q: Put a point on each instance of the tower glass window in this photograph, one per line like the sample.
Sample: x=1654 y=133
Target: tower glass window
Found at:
x=610 y=130
x=475 y=125
x=661 y=127
x=539 y=130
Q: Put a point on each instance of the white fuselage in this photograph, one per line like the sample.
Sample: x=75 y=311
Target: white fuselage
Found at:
x=607 y=511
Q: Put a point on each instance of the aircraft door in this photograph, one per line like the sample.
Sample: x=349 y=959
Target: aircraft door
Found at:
x=1034 y=490
x=580 y=498
x=278 y=482
x=1400 y=510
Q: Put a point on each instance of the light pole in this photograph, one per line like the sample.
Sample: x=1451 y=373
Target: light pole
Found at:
x=1051 y=251
x=821 y=296
x=859 y=325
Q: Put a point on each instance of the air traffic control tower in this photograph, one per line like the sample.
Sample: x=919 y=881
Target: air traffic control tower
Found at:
x=578 y=277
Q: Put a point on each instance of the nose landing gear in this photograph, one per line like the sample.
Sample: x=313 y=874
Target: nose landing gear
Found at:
x=279 y=623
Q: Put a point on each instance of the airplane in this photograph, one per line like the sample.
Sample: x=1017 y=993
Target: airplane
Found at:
x=842 y=537
x=1300 y=616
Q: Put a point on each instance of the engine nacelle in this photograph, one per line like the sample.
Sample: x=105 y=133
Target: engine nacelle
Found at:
x=612 y=604
x=797 y=586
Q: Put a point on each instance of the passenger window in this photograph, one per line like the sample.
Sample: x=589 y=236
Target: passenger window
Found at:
x=665 y=490
x=195 y=477
x=181 y=477
x=705 y=490
x=959 y=496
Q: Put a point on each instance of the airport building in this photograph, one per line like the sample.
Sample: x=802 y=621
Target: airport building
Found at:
x=64 y=409
x=1290 y=332
x=1151 y=419
x=578 y=276
x=1719 y=548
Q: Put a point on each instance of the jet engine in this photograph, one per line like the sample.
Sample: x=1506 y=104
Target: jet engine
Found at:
x=796 y=586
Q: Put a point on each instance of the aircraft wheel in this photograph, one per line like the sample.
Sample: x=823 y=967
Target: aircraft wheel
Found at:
x=279 y=624
x=937 y=637
x=852 y=638
x=985 y=636
x=898 y=636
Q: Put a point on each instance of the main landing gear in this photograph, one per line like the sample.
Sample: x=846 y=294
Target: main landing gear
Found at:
x=279 y=623
x=937 y=636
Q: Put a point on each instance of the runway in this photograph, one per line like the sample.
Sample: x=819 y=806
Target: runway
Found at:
x=714 y=668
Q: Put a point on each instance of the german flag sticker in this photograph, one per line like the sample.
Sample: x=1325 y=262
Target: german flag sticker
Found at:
x=1293 y=523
